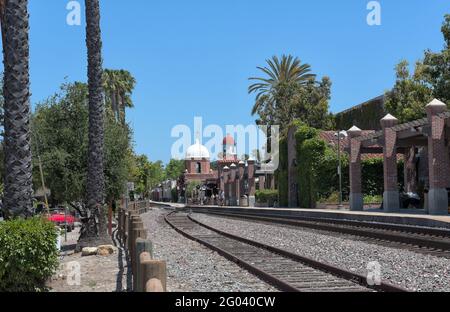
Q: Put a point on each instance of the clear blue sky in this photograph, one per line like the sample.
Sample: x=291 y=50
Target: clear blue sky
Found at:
x=193 y=58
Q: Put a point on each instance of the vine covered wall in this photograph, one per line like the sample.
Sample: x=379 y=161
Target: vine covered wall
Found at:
x=317 y=174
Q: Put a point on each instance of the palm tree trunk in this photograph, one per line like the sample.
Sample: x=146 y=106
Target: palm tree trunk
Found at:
x=122 y=109
x=2 y=21
x=94 y=231
x=16 y=89
x=117 y=107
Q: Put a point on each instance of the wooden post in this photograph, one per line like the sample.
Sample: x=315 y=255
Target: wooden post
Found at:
x=110 y=219
x=131 y=217
x=144 y=251
x=138 y=232
x=154 y=285
x=155 y=269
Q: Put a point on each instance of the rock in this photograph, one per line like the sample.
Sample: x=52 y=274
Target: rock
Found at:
x=89 y=251
x=105 y=250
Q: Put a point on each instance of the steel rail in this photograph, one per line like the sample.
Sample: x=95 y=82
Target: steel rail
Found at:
x=279 y=283
x=414 y=236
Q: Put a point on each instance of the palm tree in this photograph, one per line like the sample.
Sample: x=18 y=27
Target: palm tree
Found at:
x=2 y=20
x=110 y=85
x=18 y=189
x=119 y=84
x=94 y=230
x=284 y=72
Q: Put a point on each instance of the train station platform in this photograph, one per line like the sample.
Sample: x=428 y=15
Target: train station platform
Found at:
x=405 y=217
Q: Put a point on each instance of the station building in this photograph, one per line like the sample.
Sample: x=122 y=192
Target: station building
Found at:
x=232 y=182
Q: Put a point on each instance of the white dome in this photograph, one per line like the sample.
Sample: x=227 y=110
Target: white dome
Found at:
x=197 y=151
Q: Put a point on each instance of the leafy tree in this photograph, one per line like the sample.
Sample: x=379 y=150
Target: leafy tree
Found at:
x=60 y=136
x=436 y=66
x=142 y=172
x=117 y=161
x=157 y=174
x=431 y=79
x=17 y=161
x=410 y=94
x=147 y=175
x=174 y=169
x=310 y=104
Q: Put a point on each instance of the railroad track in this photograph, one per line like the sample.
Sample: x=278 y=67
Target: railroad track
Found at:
x=285 y=270
x=430 y=241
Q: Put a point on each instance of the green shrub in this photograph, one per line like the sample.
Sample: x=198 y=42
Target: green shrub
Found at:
x=266 y=196
x=333 y=198
x=28 y=254
x=328 y=178
x=377 y=199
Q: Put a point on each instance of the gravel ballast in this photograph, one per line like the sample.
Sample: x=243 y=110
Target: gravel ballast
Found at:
x=413 y=271
x=192 y=267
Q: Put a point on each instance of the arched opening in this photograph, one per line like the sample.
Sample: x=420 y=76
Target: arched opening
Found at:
x=198 y=167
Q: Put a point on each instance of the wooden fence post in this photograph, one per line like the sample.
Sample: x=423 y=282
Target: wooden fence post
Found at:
x=137 y=232
x=144 y=252
x=131 y=217
x=155 y=269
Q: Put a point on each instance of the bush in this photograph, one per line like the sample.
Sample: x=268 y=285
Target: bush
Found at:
x=266 y=196
x=377 y=199
x=332 y=199
x=28 y=254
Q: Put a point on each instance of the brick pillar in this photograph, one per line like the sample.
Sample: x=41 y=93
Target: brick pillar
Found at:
x=226 y=189
x=251 y=182
x=391 y=196
x=240 y=187
x=233 y=190
x=438 y=160
x=356 y=196
x=262 y=182
x=410 y=171
x=222 y=184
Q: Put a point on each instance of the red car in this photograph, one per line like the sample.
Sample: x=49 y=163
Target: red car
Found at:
x=61 y=220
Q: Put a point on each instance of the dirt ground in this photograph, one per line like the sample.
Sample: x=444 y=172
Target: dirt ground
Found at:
x=90 y=274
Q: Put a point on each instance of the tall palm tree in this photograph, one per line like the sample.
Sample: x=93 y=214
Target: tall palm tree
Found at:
x=94 y=230
x=18 y=189
x=288 y=70
x=110 y=85
x=127 y=87
x=119 y=85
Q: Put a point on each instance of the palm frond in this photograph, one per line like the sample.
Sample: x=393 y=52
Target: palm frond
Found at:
x=284 y=70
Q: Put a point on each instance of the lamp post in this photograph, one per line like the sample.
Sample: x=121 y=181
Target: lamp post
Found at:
x=340 y=135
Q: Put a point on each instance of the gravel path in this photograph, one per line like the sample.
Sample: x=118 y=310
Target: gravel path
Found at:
x=193 y=267
x=410 y=270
